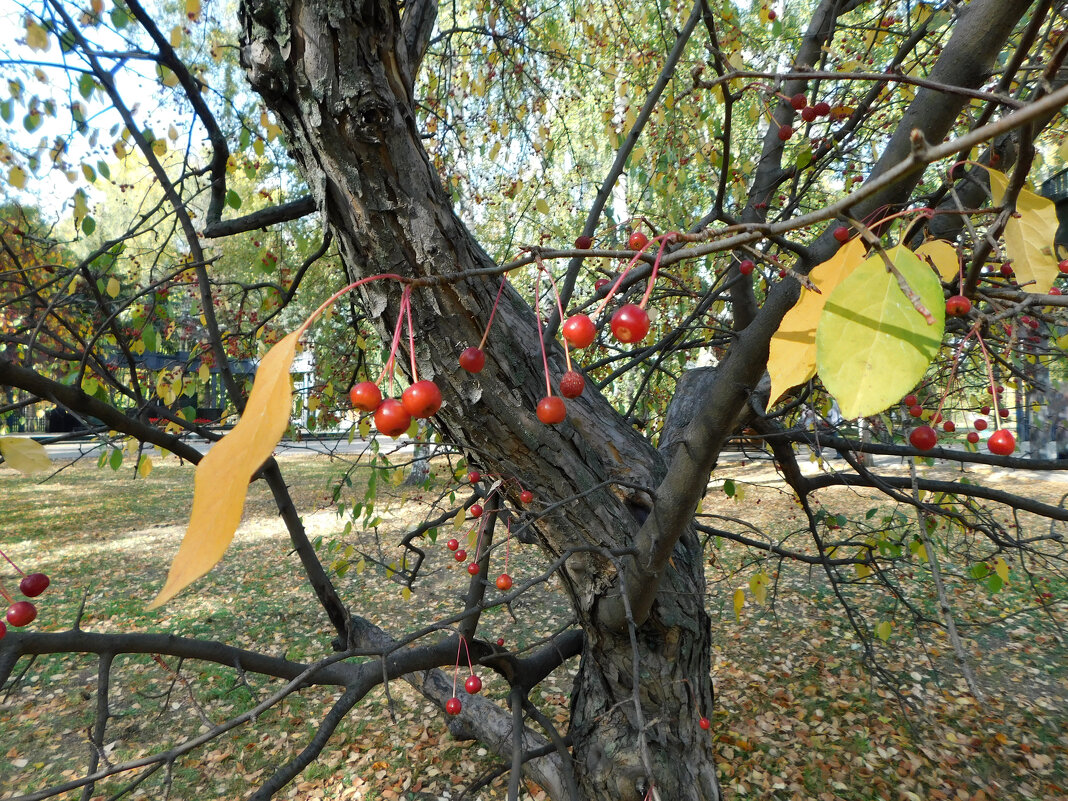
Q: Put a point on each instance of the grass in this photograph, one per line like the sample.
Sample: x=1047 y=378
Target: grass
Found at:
x=797 y=714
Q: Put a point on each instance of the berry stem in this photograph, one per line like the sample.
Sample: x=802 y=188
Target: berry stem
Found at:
x=8 y=558
x=615 y=287
x=493 y=312
x=559 y=305
x=406 y=310
x=990 y=379
x=7 y=597
x=391 y=361
x=354 y=285
x=668 y=237
x=541 y=337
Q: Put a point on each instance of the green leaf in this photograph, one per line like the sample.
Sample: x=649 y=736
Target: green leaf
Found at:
x=882 y=631
x=728 y=488
x=32 y=121
x=119 y=18
x=103 y=169
x=979 y=570
x=6 y=111
x=233 y=200
x=115 y=459
x=872 y=345
x=86 y=85
x=994 y=583
x=88 y=225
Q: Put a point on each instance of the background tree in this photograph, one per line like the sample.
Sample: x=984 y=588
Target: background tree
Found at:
x=767 y=139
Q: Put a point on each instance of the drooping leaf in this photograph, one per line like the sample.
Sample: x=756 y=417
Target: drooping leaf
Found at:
x=36 y=36
x=872 y=344
x=739 y=602
x=222 y=477
x=758 y=586
x=1029 y=237
x=883 y=630
x=792 y=357
x=24 y=454
x=943 y=256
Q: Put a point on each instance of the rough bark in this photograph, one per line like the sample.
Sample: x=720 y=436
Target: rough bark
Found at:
x=337 y=75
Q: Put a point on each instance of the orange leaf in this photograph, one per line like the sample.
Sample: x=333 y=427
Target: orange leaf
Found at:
x=223 y=475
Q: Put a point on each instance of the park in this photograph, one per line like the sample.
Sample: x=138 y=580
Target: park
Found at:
x=411 y=401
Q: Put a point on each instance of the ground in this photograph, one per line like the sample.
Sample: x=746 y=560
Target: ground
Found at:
x=797 y=716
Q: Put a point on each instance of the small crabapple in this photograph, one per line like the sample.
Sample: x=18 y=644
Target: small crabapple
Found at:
x=453 y=706
x=472 y=359
x=365 y=396
x=460 y=555
x=473 y=684
x=21 y=613
x=1001 y=443
x=923 y=438
x=571 y=384
x=958 y=306
x=705 y=723
x=504 y=582
x=476 y=510
x=579 y=331
x=746 y=267
x=972 y=437
x=630 y=323
x=473 y=568
x=798 y=101
x=392 y=418
x=637 y=241
x=551 y=410
x=422 y=399
x=526 y=496
x=786 y=132
x=33 y=585
x=583 y=242
x=474 y=477
x=453 y=544
x=841 y=233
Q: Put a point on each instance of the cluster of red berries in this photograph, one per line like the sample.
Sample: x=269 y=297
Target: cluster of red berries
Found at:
x=808 y=113
x=22 y=613
x=504 y=581
x=925 y=437
x=393 y=417
x=473 y=684
x=629 y=325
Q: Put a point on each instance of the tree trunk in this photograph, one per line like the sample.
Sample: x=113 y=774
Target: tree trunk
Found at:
x=339 y=77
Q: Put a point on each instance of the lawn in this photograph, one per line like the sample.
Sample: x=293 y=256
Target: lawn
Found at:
x=798 y=715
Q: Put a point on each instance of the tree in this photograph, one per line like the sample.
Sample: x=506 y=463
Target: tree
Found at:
x=872 y=121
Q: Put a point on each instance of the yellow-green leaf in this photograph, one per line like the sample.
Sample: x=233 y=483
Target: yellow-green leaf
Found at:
x=792 y=358
x=36 y=36
x=758 y=586
x=1029 y=237
x=24 y=454
x=863 y=571
x=541 y=205
x=192 y=9
x=739 y=602
x=16 y=176
x=882 y=631
x=113 y=287
x=406 y=593
x=1001 y=567
x=144 y=467
x=222 y=477
x=943 y=256
x=872 y=345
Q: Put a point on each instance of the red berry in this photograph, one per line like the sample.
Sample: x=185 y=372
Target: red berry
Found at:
x=473 y=568
x=365 y=396
x=391 y=418
x=473 y=684
x=422 y=399
x=949 y=426
x=579 y=331
x=551 y=410
x=21 y=613
x=798 y=101
x=453 y=544
x=504 y=582
x=461 y=555
x=958 y=306
x=1006 y=270
x=453 y=706
x=1054 y=290
x=630 y=323
x=637 y=241
x=600 y=283
x=980 y=424
x=923 y=438
x=3 y=629
x=705 y=723
x=1001 y=443
x=583 y=242
x=33 y=585
x=1003 y=413
x=571 y=384
x=785 y=132
x=841 y=233
x=473 y=359
x=984 y=410
x=823 y=108
x=808 y=113
x=1063 y=266
x=772 y=15
x=972 y=437
x=500 y=641
x=916 y=411
x=746 y=267
x=526 y=496
x=474 y=476
x=476 y=510
x=910 y=400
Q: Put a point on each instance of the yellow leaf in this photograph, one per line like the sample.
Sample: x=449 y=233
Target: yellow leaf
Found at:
x=222 y=477
x=361 y=566
x=739 y=602
x=113 y=287
x=758 y=585
x=203 y=372
x=792 y=358
x=24 y=454
x=882 y=631
x=36 y=36
x=176 y=36
x=159 y=146
x=406 y=593
x=872 y=345
x=459 y=519
x=1029 y=237
x=16 y=176
x=144 y=467
x=1001 y=567
x=192 y=9
x=541 y=205
x=943 y=256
